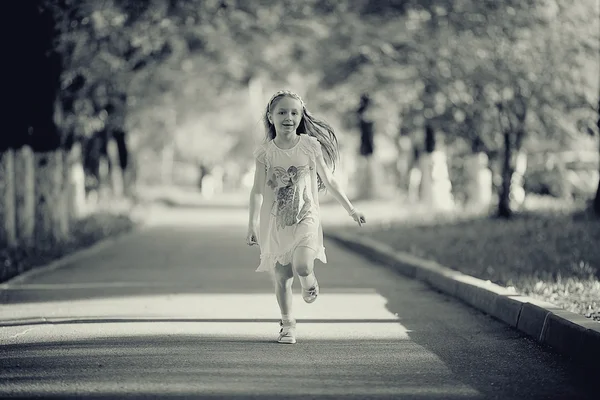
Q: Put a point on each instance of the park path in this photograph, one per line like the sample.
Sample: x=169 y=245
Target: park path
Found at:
x=177 y=311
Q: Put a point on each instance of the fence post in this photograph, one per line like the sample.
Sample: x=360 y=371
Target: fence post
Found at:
x=48 y=182
x=25 y=195
x=63 y=226
x=77 y=200
x=8 y=231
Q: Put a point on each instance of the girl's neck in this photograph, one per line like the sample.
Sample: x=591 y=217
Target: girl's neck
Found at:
x=287 y=138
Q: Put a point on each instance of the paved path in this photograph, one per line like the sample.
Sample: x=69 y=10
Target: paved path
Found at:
x=177 y=311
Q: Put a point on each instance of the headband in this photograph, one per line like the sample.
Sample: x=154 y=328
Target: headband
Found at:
x=286 y=93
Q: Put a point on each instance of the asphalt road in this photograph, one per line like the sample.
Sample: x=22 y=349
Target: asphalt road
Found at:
x=177 y=311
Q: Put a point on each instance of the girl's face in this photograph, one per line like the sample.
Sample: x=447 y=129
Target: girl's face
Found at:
x=285 y=115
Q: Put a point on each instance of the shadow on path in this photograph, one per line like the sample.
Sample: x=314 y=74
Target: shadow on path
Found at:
x=178 y=312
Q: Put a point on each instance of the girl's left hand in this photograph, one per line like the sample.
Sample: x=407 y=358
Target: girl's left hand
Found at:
x=359 y=218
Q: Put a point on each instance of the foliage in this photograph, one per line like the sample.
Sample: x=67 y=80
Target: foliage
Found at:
x=85 y=233
x=174 y=69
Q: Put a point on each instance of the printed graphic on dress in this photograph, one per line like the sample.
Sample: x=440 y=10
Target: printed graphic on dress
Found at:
x=292 y=201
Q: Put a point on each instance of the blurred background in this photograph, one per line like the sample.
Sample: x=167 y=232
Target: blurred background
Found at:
x=443 y=104
x=437 y=101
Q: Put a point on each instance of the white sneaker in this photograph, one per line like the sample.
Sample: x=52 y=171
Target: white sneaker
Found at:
x=287 y=333
x=309 y=295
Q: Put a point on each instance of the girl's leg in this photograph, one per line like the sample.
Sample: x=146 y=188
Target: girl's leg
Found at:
x=283 y=277
x=303 y=263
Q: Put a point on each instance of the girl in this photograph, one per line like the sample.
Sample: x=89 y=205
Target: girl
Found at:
x=291 y=166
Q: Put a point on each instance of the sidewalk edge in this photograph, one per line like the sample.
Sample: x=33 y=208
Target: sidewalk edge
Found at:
x=69 y=258
x=569 y=333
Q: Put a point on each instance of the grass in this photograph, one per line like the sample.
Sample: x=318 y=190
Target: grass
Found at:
x=550 y=251
x=85 y=232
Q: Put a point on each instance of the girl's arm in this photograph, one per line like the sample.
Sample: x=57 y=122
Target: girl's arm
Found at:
x=335 y=189
x=256 y=198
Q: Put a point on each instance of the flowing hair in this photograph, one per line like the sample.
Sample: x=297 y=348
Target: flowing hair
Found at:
x=311 y=126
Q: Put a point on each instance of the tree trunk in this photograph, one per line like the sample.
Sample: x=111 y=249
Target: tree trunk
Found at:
x=368 y=167
x=124 y=161
x=369 y=173
x=479 y=186
x=8 y=230
x=512 y=193
x=104 y=186
x=116 y=171
x=596 y=205
x=435 y=186
x=25 y=195
x=504 y=204
x=405 y=161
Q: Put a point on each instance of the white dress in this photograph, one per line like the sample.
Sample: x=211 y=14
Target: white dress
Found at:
x=289 y=216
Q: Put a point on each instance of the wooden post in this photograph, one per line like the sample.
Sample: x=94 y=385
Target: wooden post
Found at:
x=8 y=229
x=77 y=200
x=63 y=221
x=48 y=181
x=25 y=195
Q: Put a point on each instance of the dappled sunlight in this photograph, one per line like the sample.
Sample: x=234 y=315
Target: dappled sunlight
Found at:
x=349 y=315
x=264 y=331
x=220 y=344
x=144 y=117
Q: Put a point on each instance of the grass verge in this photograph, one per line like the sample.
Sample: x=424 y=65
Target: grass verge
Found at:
x=85 y=232
x=552 y=253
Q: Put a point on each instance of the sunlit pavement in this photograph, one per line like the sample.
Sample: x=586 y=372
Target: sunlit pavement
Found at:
x=177 y=311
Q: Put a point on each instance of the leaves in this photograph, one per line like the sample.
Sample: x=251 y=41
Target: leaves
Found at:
x=436 y=60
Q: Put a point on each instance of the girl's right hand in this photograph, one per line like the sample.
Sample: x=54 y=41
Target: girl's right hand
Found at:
x=252 y=237
x=358 y=217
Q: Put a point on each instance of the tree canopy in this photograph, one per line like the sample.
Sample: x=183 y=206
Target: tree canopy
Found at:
x=180 y=72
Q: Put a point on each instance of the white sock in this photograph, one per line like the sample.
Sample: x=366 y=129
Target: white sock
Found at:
x=287 y=317
x=308 y=281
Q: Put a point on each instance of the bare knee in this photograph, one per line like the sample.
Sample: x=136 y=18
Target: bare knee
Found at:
x=303 y=261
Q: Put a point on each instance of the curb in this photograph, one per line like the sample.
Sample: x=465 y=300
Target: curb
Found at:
x=68 y=259
x=569 y=333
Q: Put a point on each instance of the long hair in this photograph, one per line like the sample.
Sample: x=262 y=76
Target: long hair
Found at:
x=309 y=125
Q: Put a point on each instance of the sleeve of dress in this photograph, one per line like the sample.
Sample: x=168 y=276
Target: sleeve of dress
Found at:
x=260 y=154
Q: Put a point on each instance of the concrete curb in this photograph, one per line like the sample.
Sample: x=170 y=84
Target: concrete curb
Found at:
x=68 y=259
x=570 y=334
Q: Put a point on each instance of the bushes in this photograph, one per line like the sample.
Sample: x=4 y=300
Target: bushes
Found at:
x=44 y=212
x=84 y=233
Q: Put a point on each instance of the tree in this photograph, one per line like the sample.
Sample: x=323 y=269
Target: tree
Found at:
x=436 y=59
x=507 y=58
x=34 y=79
x=596 y=204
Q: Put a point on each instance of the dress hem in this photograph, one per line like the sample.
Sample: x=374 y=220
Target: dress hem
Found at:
x=268 y=260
